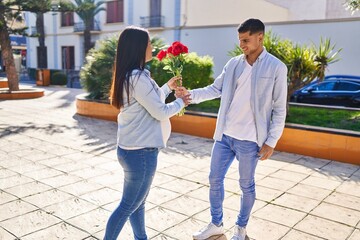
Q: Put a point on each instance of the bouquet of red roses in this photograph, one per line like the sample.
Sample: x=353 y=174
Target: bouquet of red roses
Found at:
x=173 y=59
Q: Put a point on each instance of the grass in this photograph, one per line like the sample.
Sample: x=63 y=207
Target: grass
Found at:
x=211 y=106
x=321 y=117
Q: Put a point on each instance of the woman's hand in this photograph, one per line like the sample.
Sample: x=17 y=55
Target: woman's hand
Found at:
x=175 y=82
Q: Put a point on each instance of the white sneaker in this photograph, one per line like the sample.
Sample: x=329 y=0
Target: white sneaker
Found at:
x=208 y=231
x=239 y=233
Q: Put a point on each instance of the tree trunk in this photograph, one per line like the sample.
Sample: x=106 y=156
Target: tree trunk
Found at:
x=87 y=41
x=42 y=61
x=7 y=55
x=87 y=35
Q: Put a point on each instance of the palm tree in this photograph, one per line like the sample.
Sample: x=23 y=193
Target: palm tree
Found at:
x=40 y=7
x=87 y=10
x=352 y=5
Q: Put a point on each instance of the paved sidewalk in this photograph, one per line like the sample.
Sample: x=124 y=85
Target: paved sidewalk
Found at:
x=59 y=179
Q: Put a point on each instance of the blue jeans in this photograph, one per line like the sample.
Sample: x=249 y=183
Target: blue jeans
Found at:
x=139 y=169
x=222 y=156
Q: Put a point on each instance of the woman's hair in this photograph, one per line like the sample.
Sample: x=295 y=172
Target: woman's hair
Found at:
x=130 y=55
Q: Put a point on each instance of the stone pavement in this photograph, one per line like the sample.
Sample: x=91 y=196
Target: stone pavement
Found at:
x=59 y=179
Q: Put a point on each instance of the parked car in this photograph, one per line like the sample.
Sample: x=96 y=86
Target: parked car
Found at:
x=339 y=90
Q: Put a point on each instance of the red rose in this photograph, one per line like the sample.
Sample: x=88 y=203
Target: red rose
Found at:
x=178 y=48
x=170 y=50
x=161 y=55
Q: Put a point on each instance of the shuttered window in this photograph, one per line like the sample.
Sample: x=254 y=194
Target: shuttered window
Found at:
x=115 y=11
x=67 y=19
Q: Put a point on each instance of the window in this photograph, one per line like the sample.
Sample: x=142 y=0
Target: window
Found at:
x=67 y=19
x=155 y=13
x=115 y=11
x=347 y=86
x=68 y=57
x=325 y=86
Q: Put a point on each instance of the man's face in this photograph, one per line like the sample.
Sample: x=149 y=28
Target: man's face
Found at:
x=250 y=44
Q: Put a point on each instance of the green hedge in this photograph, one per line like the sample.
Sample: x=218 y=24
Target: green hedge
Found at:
x=53 y=71
x=58 y=78
x=197 y=71
x=96 y=74
x=32 y=73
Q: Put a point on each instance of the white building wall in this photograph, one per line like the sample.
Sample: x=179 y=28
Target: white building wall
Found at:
x=31 y=43
x=215 y=12
x=141 y=9
x=208 y=32
x=218 y=41
x=168 y=10
x=335 y=9
x=304 y=9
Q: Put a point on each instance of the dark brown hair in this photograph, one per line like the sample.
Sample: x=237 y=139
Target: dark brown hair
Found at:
x=130 y=55
x=252 y=25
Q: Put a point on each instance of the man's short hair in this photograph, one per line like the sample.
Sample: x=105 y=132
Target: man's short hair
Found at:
x=253 y=25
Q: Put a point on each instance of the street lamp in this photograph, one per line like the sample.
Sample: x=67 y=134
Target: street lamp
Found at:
x=55 y=6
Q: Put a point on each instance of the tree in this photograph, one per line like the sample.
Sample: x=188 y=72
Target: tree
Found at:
x=40 y=7
x=87 y=10
x=304 y=63
x=9 y=12
x=352 y=5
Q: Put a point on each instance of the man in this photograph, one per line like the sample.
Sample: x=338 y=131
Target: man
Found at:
x=251 y=118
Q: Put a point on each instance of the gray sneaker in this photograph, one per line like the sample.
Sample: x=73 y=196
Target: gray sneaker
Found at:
x=239 y=233
x=208 y=231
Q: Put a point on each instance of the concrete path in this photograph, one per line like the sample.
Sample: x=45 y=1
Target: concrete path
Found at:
x=59 y=179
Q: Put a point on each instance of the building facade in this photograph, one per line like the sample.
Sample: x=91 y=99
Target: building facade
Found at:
x=64 y=31
x=208 y=27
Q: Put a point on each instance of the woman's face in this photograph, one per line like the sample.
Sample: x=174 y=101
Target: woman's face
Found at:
x=148 y=55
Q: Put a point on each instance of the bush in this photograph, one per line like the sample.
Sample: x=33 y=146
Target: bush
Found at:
x=58 y=78
x=197 y=71
x=53 y=71
x=96 y=74
x=32 y=73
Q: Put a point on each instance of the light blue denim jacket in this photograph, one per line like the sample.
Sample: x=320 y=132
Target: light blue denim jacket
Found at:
x=268 y=95
x=139 y=122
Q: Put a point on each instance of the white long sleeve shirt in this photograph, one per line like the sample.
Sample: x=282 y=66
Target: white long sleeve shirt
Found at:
x=268 y=95
x=144 y=122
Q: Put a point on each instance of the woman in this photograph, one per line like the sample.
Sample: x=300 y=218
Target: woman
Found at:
x=143 y=127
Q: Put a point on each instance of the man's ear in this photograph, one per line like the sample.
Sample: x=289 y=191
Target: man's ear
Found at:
x=261 y=36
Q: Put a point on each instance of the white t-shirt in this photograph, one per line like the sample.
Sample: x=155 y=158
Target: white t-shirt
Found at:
x=240 y=121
